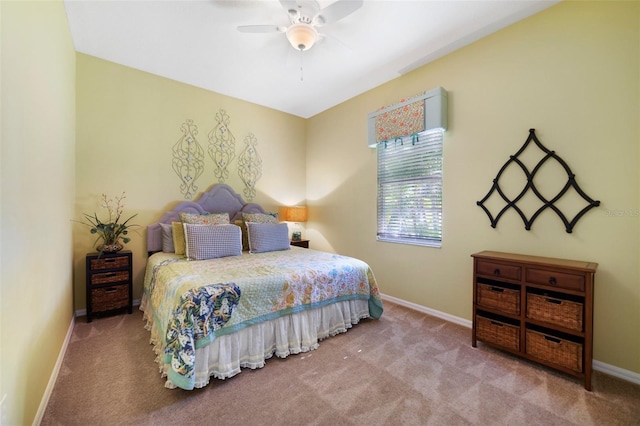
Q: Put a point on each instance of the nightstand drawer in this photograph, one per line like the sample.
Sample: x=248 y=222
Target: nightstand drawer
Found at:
x=109 y=277
x=110 y=298
x=109 y=263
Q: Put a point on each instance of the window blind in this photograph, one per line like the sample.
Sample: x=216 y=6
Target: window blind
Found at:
x=410 y=189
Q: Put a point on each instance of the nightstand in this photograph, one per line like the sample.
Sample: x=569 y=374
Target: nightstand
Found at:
x=109 y=282
x=301 y=243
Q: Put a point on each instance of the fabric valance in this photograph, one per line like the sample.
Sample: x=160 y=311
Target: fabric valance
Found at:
x=408 y=117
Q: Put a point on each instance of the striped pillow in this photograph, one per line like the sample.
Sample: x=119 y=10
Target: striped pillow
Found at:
x=265 y=237
x=212 y=241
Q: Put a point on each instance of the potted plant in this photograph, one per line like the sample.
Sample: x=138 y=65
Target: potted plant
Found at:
x=113 y=232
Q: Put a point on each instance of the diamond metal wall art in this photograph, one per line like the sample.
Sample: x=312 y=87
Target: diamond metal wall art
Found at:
x=530 y=185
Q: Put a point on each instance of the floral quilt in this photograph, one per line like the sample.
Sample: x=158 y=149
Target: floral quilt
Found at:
x=200 y=312
x=189 y=303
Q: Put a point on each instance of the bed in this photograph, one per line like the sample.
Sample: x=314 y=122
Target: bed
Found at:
x=215 y=314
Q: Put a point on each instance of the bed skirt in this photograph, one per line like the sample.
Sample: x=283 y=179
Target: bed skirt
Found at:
x=252 y=346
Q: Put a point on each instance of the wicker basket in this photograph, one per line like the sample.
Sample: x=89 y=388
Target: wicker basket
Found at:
x=501 y=298
x=498 y=333
x=109 y=262
x=109 y=277
x=555 y=350
x=108 y=298
x=564 y=313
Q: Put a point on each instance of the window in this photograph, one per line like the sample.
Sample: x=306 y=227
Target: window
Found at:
x=410 y=189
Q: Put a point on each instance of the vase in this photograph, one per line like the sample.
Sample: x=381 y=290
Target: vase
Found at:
x=110 y=248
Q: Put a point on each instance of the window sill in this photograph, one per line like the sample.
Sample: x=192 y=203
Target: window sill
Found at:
x=412 y=242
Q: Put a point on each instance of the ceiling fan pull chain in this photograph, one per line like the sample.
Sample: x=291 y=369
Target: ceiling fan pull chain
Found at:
x=301 y=65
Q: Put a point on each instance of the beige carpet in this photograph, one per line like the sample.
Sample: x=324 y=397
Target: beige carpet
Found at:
x=406 y=368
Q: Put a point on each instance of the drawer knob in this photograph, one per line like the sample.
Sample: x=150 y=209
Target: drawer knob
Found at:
x=553 y=281
x=496 y=272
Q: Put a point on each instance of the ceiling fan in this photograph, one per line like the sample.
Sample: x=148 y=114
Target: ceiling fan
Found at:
x=305 y=17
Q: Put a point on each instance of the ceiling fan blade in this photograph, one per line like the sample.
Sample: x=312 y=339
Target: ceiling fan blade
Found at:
x=261 y=29
x=334 y=44
x=289 y=5
x=336 y=11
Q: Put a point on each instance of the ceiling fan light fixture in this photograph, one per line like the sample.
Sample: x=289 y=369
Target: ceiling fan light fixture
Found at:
x=302 y=36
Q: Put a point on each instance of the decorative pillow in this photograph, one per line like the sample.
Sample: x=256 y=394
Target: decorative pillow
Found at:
x=212 y=241
x=205 y=219
x=178 y=238
x=265 y=237
x=260 y=217
x=256 y=218
x=167 y=238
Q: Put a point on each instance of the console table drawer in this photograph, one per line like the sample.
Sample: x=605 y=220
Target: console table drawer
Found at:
x=556 y=279
x=500 y=298
x=498 y=270
x=554 y=350
x=498 y=332
x=556 y=311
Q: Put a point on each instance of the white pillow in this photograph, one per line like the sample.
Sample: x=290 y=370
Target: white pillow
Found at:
x=265 y=237
x=212 y=241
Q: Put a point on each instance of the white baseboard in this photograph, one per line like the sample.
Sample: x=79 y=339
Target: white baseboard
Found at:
x=83 y=312
x=54 y=375
x=618 y=372
x=442 y=315
x=600 y=366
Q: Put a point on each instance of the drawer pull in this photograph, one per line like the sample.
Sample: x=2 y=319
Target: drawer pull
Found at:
x=111 y=290
x=111 y=260
x=496 y=272
x=110 y=274
x=497 y=289
x=552 y=339
x=499 y=324
x=553 y=281
x=556 y=301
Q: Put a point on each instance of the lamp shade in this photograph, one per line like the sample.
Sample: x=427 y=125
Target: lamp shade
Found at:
x=294 y=214
x=302 y=36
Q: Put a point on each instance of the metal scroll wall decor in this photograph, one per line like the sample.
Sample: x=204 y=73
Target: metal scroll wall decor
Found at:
x=188 y=159
x=530 y=185
x=222 y=146
x=250 y=166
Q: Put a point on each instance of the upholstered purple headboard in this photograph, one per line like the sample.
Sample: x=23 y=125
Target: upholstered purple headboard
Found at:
x=220 y=198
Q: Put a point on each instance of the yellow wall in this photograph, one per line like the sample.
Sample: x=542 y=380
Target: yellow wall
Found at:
x=572 y=72
x=128 y=123
x=37 y=198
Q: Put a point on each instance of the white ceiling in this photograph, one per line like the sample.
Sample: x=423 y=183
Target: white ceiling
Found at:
x=197 y=42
